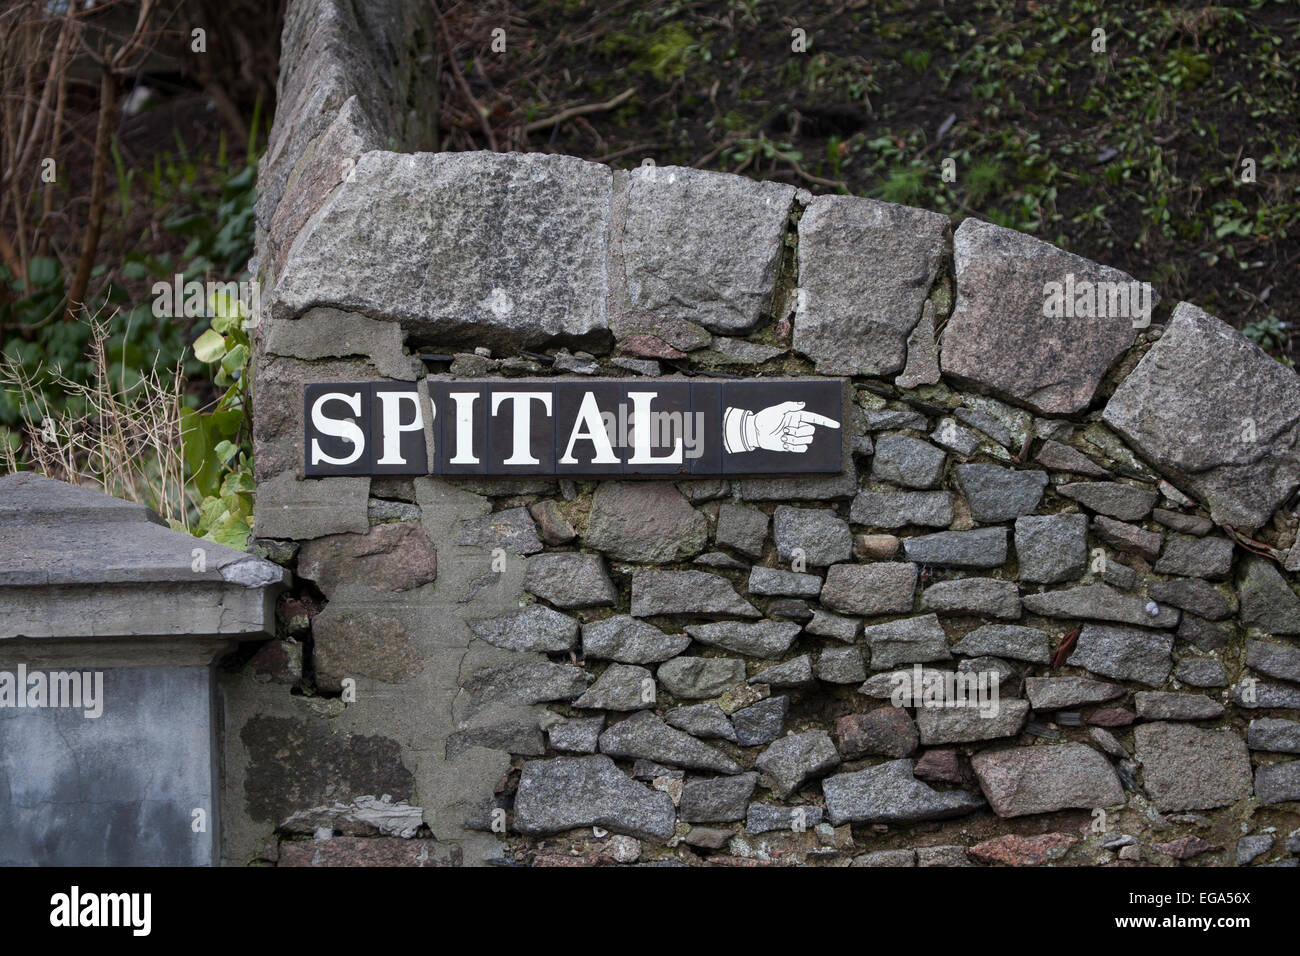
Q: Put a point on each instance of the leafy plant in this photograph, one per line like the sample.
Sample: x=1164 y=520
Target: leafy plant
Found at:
x=218 y=444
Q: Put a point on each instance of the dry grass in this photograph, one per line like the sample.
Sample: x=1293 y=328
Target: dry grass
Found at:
x=125 y=440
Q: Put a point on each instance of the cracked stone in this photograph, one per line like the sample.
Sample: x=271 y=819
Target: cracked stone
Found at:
x=571 y=792
x=533 y=628
x=686 y=592
x=792 y=761
x=908 y=641
x=643 y=735
x=570 y=580
x=987 y=597
x=765 y=639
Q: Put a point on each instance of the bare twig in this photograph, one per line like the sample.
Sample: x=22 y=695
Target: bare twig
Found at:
x=462 y=82
x=584 y=110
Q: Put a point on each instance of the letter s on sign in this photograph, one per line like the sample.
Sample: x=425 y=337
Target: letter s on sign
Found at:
x=337 y=428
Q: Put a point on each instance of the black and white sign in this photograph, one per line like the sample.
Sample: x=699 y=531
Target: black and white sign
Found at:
x=631 y=428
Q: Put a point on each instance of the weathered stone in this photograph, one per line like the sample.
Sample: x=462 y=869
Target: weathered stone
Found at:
x=1259 y=695
x=1184 y=848
x=758 y=639
x=886 y=858
x=426 y=271
x=1011 y=849
x=1186 y=524
x=876 y=547
x=1006 y=640
x=1000 y=494
x=643 y=735
x=1251 y=848
x=570 y=579
x=1102 y=603
x=1025 y=780
x=1192 y=594
x=907 y=461
x=987 y=597
x=907 y=641
x=363 y=641
x=793 y=609
x=938 y=766
x=717 y=559
x=515 y=730
x=1268 y=602
x=1119 y=575
x=1272 y=734
x=1158 y=705
x=576 y=734
x=729 y=351
x=950 y=436
x=388 y=557
x=889 y=419
x=774 y=581
x=619 y=687
x=841 y=665
x=1186 y=768
x=552 y=526
x=896 y=509
x=1128 y=538
x=640 y=366
x=644 y=521
x=1111 y=717
x=699 y=677
x=512 y=530
x=719 y=800
x=708 y=838
x=793 y=760
x=945 y=856
x=826 y=624
x=1208 y=557
x=981 y=548
x=821 y=537
x=1124 y=653
x=865 y=270
x=889 y=793
x=1278 y=783
x=351 y=851
x=522 y=679
x=1203 y=634
x=870 y=589
x=741 y=528
x=700 y=245
x=533 y=628
x=1059 y=457
x=686 y=592
x=761 y=723
x=702 y=720
x=796 y=672
x=999 y=337
x=1275 y=660
x=629 y=641
x=571 y=792
x=1051 y=548
x=767 y=817
x=885 y=731
x=1111 y=498
x=941 y=725
x=382 y=511
x=1186 y=405
x=1201 y=672
x=922 y=356
x=1058 y=693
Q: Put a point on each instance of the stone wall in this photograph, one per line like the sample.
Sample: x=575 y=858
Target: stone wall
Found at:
x=1090 y=514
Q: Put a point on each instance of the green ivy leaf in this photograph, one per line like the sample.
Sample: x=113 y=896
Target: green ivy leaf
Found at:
x=210 y=346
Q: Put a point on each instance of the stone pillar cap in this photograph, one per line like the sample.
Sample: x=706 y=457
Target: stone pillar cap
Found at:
x=63 y=547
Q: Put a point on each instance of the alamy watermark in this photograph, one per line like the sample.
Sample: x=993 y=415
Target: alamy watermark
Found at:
x=74 y=690
x=932 y=688
x=1086 y=299
x=195 y=300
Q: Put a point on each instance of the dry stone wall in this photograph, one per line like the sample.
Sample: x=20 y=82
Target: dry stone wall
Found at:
x=1046 y=612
